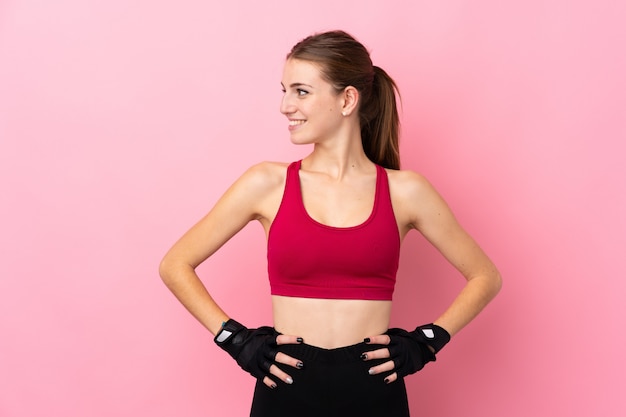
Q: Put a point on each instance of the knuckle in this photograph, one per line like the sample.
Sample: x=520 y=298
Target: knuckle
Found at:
x=279 y=373
x=275 y=370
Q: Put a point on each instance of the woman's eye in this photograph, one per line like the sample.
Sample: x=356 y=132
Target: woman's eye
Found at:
x=302 y=92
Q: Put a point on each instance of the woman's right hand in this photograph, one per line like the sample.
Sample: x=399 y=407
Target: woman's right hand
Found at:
x=256 y=350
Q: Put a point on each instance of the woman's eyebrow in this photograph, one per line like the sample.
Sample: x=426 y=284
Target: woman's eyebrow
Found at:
x=296 y=85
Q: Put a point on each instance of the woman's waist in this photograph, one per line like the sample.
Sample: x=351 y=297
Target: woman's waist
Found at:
x=330 y=324
x=337 y=355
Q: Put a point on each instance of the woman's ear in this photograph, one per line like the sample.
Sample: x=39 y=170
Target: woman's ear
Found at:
x=350 y=100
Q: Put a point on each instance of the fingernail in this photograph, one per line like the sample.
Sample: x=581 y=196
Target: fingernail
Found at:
x=299 y=365
x=289 y=380
x=299 y=340
x=370 y=371
x=386 y=380
x=273 y=386
x=364 y=356
x=366 y=340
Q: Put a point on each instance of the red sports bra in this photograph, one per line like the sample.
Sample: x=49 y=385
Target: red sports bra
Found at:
x=308 y=259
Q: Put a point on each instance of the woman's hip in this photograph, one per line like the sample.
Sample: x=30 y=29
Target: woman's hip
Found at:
x=332 y=382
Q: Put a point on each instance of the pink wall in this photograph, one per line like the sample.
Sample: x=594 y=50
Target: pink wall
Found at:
x=121 y=122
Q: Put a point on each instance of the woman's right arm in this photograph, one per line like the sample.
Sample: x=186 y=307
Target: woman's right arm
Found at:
x=256 y=195
x=245 y=200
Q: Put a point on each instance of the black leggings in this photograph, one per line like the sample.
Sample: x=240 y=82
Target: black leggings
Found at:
x=332 y=383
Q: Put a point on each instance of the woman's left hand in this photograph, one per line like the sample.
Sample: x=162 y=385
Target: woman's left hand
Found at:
x=408 y=351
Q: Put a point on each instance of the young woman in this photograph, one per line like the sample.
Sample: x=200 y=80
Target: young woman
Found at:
x=334 y=223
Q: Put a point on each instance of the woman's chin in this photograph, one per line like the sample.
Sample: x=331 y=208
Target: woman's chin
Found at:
x=300 y=141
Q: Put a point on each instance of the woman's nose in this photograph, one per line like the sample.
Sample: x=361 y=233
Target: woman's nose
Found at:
x=286 y=105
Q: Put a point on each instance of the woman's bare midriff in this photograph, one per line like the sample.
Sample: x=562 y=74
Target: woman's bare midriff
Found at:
x=329 y=323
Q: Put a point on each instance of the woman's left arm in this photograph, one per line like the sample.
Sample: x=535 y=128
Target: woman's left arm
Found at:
x=425 y=210
x=417 y=205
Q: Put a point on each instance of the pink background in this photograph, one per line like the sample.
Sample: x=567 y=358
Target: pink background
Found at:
x=121 y=122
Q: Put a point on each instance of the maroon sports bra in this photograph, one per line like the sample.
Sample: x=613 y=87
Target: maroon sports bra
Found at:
x=309 y=259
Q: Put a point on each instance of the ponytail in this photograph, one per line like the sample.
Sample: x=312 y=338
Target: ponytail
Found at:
x=380 y=122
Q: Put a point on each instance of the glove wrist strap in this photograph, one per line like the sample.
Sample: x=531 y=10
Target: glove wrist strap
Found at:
x=434 y=336
x=229 y=328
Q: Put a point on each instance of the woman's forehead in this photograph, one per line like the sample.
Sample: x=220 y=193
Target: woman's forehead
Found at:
x=303 y=72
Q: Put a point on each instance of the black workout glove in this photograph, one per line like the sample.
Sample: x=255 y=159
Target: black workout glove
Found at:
x=253 y=349
x=410 y=351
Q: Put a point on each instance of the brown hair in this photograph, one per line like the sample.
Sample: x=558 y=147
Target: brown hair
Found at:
x=345 y=62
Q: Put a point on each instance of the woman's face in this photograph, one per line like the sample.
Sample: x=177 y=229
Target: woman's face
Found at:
x=311 y=104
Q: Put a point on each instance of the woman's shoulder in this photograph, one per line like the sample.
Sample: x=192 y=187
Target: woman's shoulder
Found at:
x=413 y=197
x=265 y=174
x=267 y=169
x=406 y=181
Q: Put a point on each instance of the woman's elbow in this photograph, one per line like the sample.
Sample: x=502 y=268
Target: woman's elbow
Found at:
x=496 y=283
x=166 y=268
